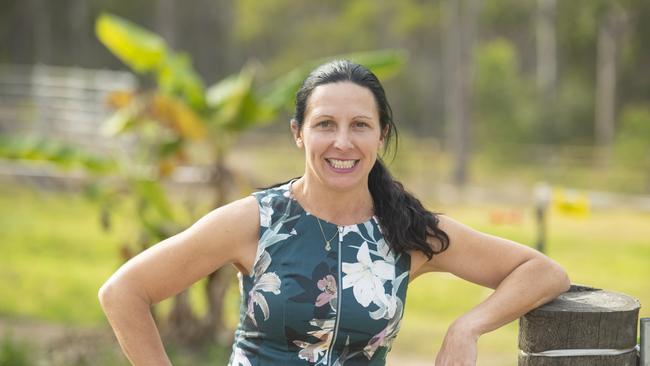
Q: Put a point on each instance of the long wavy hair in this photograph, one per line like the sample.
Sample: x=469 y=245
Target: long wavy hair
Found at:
x=405 y=223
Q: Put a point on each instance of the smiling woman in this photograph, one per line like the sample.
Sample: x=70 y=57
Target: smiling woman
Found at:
x=325 y=259
x=341 y=135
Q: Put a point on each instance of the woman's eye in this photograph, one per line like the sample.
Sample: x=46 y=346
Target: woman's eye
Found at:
x=324 y=124
x=360 y=124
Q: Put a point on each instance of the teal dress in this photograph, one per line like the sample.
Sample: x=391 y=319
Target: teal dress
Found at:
x=318 y=297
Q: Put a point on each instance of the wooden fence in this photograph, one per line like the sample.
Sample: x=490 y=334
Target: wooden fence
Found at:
x=67 y=104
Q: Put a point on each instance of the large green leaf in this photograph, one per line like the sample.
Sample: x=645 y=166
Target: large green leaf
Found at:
x=123 y=120
x=153 y=194
x=383 y=63
x=236 y=107
x=59 y=154
x=146 y=52
x=177 y=77
x=141 y=50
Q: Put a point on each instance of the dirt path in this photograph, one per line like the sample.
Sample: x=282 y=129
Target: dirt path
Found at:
x=56 y=344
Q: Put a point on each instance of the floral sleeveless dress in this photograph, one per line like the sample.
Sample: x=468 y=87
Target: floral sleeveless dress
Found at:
x=314 y=302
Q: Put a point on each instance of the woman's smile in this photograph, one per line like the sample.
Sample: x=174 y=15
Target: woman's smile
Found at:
x=342 y=166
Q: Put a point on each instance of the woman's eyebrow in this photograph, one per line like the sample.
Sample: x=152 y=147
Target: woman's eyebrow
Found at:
x=323 y=115
x=332 y=117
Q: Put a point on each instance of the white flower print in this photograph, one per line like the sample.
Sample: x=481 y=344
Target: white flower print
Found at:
x=349 y=229
x=387 y=335
x=383 y=250
x=266 y=211
x=266 y=282
x=387 y=310
x=239 y=358
x=273 y=236
x=313 y=352
x=367 y=277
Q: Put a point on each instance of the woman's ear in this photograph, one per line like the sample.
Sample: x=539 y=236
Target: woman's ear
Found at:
x=295 y=131
x=382 y=138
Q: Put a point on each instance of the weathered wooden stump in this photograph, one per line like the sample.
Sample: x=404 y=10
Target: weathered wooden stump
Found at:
x=582 y=327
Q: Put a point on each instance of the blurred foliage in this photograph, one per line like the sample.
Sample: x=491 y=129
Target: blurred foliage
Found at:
x=632 y=144
x=176 y=121
x=280 y=34
x=504 y=102
x=146 y=52
x=14 y=353
x=65 y=156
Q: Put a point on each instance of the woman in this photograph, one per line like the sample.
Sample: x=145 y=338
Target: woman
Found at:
x=324 y=260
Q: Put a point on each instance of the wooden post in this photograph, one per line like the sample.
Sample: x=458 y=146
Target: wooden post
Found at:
x=542 y=200
x=582 y=327
x=645 y=342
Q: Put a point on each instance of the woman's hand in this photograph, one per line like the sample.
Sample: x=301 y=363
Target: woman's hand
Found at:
x=458 y=348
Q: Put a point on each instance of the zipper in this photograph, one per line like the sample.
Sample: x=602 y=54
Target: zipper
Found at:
x=338 y=298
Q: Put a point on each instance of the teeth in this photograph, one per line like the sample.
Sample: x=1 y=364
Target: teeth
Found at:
x=341 y=164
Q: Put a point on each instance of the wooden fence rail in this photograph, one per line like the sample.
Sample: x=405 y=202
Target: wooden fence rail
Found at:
x=62 y=103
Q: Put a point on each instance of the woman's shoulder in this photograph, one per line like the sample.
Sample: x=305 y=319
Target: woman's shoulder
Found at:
x=241 y=214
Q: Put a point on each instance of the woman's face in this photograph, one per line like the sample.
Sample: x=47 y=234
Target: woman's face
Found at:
x=341 y=135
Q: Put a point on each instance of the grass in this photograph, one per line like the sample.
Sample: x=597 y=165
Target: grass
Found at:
x=608 y=249
x=14 y=353
x=55 y=257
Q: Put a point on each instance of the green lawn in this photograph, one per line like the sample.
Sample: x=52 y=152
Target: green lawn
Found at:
x=609 y=250
x=54 y=257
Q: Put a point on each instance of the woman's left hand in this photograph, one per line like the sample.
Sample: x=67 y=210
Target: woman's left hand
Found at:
x=458 y=348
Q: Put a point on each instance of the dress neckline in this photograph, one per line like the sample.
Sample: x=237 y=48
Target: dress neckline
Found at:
x=293 y=198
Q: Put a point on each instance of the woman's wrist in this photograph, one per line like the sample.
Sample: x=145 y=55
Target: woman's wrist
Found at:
x=466 y=328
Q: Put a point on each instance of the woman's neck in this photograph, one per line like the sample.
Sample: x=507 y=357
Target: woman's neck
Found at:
x=342 y=208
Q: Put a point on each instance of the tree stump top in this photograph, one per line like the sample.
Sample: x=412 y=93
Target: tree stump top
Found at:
x=583 y=318
x=583 y=299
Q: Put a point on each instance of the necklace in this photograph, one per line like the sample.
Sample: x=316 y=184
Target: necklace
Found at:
x=328 y=245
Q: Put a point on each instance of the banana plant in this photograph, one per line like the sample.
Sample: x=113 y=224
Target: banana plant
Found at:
x=164 y=124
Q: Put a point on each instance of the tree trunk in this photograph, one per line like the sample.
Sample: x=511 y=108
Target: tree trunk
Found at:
x=216 y=289
x=79 y=16
x=458 y=49
x=43 y=51
x=166 y=21
x=184 y=327
x=609 y=32
x=546 y=67
x=219 y=281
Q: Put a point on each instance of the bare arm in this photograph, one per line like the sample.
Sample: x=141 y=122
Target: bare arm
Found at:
x=523 y=278
x=225 y=235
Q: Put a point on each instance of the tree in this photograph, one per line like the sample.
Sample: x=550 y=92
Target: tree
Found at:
x=610 y=29
x=546 y=67
x=458 y=50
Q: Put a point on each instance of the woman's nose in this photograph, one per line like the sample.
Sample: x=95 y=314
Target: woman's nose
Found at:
x=343 y=141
